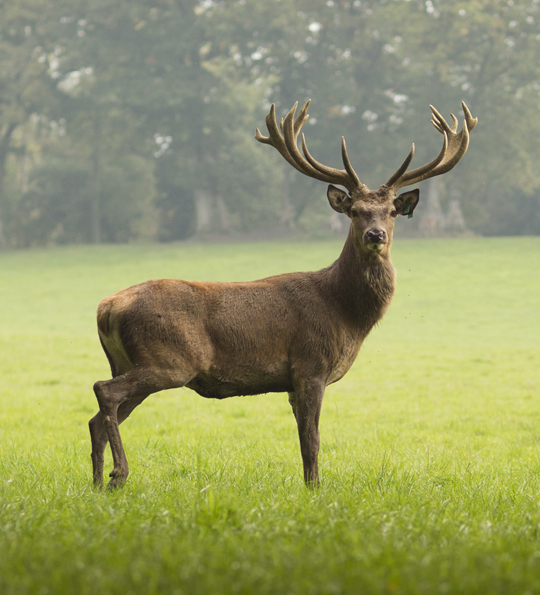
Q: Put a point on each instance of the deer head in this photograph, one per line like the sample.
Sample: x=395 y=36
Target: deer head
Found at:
x=372 y=212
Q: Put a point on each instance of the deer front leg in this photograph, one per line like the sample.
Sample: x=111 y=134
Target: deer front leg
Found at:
x=306 y=403
x=292 y=401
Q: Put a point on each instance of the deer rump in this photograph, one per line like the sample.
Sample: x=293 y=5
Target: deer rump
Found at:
x=229 y=339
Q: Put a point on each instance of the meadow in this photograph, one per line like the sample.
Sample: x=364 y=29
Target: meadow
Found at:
x=430 y=456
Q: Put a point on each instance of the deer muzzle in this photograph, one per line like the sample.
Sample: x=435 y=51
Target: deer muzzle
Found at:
x=375 y=239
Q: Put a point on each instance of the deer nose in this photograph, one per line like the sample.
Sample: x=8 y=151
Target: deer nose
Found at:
x=376 y=236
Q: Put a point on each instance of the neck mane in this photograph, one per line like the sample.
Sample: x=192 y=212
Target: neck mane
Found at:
x=363 y=282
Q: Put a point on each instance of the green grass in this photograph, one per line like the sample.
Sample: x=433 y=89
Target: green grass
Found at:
x=430 y=456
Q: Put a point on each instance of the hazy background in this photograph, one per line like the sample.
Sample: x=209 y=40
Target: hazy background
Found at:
x=134 y=120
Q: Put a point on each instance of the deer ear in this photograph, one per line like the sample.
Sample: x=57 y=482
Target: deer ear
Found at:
x=339 y=200
x=406 y=203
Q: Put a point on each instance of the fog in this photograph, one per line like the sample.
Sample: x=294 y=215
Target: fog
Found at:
x=135 y=121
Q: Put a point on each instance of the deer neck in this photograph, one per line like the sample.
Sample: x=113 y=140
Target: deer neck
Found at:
x=363 y=282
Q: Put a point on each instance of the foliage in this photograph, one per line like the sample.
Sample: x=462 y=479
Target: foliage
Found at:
x=56 y=207
x=374 y=67
x=25 y=86
x=483 y=52
x=429 y=445
x=182 y=84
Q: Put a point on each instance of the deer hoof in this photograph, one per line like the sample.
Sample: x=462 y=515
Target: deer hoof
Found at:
x=117 y=480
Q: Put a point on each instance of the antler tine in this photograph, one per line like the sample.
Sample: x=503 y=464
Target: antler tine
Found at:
x=266 y=139
x=424 y=169
x=454 y=147
x=440 y=123
x=339 y=176
x=286 y=143
x=313 y=169
x=302 y=118
x=402 y=168
x=346 y=162
x=471 y=122
x=299 y=120
x=275 y=139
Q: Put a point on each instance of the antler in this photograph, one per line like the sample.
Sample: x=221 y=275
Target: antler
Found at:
x=454 y=147
x=286 y=144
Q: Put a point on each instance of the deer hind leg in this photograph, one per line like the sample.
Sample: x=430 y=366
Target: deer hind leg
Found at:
x=99 y=438
x=306 y=404
x=117 y=398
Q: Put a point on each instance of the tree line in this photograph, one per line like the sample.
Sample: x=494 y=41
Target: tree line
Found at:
x=134 y=120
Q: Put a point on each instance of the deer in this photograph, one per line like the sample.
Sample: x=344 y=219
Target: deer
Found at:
x=295 y=333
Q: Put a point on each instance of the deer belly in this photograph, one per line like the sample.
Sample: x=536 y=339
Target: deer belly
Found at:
x=237 y=383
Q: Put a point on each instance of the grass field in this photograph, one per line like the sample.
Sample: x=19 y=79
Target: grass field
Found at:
x=430 y=456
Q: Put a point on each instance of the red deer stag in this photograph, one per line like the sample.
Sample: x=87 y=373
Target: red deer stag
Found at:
x=292 y=333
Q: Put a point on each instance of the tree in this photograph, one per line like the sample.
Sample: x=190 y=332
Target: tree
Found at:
x=178 y=86
x=26 y=87
x=375 y=66
x=156 y=68
x=487 y=54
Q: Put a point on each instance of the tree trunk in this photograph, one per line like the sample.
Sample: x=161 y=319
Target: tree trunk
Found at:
x=4 y=152
x=287 y=213
x=95 y=205
x=96 y=198
x=432 y=221
x=454 y=217
x=3 y=159
x=204 y=208
x=223 y=212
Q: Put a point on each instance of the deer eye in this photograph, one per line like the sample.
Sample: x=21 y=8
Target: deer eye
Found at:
x=354 y=213
x=393 y=214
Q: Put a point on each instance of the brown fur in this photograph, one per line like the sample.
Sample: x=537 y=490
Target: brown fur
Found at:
x=292 y=333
